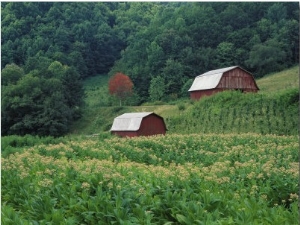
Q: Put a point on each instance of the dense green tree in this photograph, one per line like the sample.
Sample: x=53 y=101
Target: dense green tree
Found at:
x=234 y=17
x=277 y=12
x=266 y=57
x=186 y=87
x=226 y=54
x=11 y=74
x=173 y=72
x=55 y=116
x=156 y=58
x=265 y=29
x=157 y=88
x=288 y=34
x=20 y=105
x=73 y=91
x=37 y=62
x=42 y=102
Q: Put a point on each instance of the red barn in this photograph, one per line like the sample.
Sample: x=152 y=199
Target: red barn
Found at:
x=230 y=78
x=138 y=124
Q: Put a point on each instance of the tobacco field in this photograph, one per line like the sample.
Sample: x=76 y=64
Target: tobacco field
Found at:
x=173 y=179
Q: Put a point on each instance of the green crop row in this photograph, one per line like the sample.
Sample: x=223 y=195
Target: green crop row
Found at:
x=172 y=179
x=233 y=112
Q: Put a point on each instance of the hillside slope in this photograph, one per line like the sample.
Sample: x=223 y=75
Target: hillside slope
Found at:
x=277 y=82
x=274 y=109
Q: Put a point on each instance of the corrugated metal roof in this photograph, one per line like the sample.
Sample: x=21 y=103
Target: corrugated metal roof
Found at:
x=209 y=80
x=129 y=121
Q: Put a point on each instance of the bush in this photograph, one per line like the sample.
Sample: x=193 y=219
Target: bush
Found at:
x=107 y=127
x=158 y=103
x=290 y=96
x=117 y=109
x=181 y=107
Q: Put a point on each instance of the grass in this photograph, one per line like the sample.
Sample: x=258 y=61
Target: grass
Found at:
x=96 y=92
x=163 y=110
x=280 y=81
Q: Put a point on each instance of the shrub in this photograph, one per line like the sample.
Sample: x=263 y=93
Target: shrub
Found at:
x=117 y=109
x=290 y=97
x=181 y=107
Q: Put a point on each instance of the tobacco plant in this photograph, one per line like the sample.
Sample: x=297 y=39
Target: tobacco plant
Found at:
x=172 y=179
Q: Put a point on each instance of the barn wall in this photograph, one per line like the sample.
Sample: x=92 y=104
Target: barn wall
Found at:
x=195 y=95
x=152 y=125
x=238 y=79
x=125 y=133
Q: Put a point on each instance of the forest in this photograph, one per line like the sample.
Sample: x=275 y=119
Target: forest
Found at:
x=49 y=48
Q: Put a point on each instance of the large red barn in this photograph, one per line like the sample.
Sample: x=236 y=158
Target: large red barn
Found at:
x=230 y=78
x=138 y=124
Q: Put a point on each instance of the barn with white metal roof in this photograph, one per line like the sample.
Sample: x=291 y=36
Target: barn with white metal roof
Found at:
x=138 y=124
x=229 y=78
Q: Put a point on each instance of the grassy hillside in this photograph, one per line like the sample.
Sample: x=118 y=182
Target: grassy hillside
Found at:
x=280 y=81
x=274 y=109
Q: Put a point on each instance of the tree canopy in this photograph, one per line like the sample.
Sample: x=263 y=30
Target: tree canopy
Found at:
x=121 y=86
x=41 y=102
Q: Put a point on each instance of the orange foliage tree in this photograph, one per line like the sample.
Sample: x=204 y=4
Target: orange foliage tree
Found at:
x=121 y=86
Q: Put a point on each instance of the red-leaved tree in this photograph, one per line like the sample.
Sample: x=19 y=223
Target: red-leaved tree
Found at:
x=121 y=86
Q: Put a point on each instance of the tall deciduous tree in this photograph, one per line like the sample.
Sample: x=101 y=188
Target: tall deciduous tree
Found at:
x=11 y=74
x=120 y=85
x=225 y=54
x=157 y=88
x=266 y=57
x=174 y=75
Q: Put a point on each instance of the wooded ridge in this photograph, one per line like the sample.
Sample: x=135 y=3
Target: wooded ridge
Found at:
x=48 y=48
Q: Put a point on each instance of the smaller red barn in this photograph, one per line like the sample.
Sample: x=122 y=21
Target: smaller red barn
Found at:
x=229 y=78
x=138 y=124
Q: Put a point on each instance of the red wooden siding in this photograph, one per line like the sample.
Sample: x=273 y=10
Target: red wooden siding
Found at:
x=237 y=79
x=125 y=133
x=199 y=94
x=152 y=125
